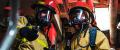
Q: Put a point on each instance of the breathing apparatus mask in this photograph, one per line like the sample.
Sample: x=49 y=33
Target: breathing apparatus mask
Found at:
x=80 y=18
x=44 y=13
x=43 y=18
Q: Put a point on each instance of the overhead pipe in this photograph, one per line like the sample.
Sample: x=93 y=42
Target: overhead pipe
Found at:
x=12 y=30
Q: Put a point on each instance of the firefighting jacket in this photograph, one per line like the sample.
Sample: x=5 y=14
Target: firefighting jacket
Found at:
x=39 y=44
x=101 y=42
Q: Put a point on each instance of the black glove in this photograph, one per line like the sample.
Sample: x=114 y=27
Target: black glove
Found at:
x=29 y=34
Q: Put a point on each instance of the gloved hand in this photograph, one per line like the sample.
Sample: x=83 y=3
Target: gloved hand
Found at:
x=29 y=34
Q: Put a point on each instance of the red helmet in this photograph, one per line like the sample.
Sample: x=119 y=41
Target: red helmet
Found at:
x=81 y=13
x=83 y=10
x=43 y=14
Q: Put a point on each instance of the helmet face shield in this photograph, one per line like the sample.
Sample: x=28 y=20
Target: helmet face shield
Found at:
x=79 y=16
x=43 y=14
x=44 y=18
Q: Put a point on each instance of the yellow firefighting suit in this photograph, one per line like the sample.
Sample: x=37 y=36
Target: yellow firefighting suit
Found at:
x=39 y=44
x=83 y=43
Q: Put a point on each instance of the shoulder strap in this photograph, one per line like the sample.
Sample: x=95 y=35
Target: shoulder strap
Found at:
x=92 y=37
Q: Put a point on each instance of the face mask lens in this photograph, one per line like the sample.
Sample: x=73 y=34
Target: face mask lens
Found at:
x=79 y=16
x=44 y=18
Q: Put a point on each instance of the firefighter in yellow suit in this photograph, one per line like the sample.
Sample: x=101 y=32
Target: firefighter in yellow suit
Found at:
x=43 y=21
x=82 y=21
x=38 y=44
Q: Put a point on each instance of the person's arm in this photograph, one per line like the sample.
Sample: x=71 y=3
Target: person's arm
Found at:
x=102 y=41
